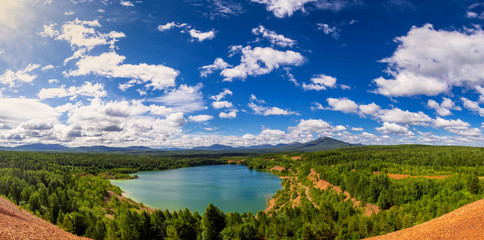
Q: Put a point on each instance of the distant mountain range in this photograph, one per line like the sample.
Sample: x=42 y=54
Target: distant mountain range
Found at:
x=323 y=143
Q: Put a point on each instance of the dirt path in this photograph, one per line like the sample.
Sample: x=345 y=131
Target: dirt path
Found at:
x=16 y=223
x=369 y=209
x=466 y=222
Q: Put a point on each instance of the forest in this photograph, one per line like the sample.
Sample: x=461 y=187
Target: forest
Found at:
x=346 y=193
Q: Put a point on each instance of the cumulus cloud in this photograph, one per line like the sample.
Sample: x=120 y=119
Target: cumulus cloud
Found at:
x=273 y=37
x=82 y=34
x=473 y=106
x=311 y=126
x=393 y=128
x=170 y=25
x=14 y=111
x=184 y=99
x=194 y=33
x=200 y=118
x=259 y=61
x=397 y=115
x=230 y=114
x=12 y=78
x=259 y=109
x=357 y=129
x=110 y=64
x=126 y=3
x=222 y=104
x=221 y=95
x=320 y=82
x=443 y=109
x=431 y=62
x=218 y=64
x=202 y=36
x=286 y=8
x=87 y=89
x=458 y=127
x=369 y=109
x=342 y=104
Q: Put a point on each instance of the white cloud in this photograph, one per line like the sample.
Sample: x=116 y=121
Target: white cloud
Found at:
x=126 y=3
x=51 y=81
x=311 y=125
x=202 y=36
x=393 y=128
x=283 y=8
x=111 y=65
x=260 y=61
x=476 y=11
x=87 y=89
x=185 y=99
x=458 y=127
x=14 y=111
x=342 y=104
x=82 y=34
x=222 y=104
x=331 y=31
x=442 y=123
x=320 y=82
x=473 y=106
x=430 y=62
x=161 y=110
x=444 y=108
x=369 y=109
x=200 y=118
x=170 y=25
x=218 y=64
x=480 y=90
x=194 y=33
x=231 y=114
x=273 y=37
x=47 y=68
x=69 y=13
x=340 y=128
x=397 y=115
x=357 y=129
x=221 y=95
x=21 y=76
x=258 y=108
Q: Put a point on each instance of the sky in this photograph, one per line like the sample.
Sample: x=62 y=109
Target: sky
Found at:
x=188 y=73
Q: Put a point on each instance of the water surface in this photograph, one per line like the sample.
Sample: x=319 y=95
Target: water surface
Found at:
x=229 y=187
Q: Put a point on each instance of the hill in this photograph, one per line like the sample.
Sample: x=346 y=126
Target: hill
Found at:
x=16 y=223
x=466 y=222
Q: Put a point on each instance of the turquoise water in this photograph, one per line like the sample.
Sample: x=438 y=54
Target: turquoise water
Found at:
x=229 y=187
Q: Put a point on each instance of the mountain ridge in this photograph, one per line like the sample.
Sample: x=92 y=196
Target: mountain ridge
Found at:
x=322 y=143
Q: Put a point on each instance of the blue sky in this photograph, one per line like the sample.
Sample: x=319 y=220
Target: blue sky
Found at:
x=176 y=73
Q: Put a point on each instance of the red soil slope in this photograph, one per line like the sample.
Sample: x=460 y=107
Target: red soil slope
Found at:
x=16 y=223
x=466 y=223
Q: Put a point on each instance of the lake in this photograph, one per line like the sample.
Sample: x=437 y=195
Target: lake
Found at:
x=229 y=187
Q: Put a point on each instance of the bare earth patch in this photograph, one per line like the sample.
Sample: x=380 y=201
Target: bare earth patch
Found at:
x=16 y=223
x=296 y=158
x=466 y=222
x=278 y=168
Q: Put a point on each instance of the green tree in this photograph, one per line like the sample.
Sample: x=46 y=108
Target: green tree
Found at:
x=213 y=222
